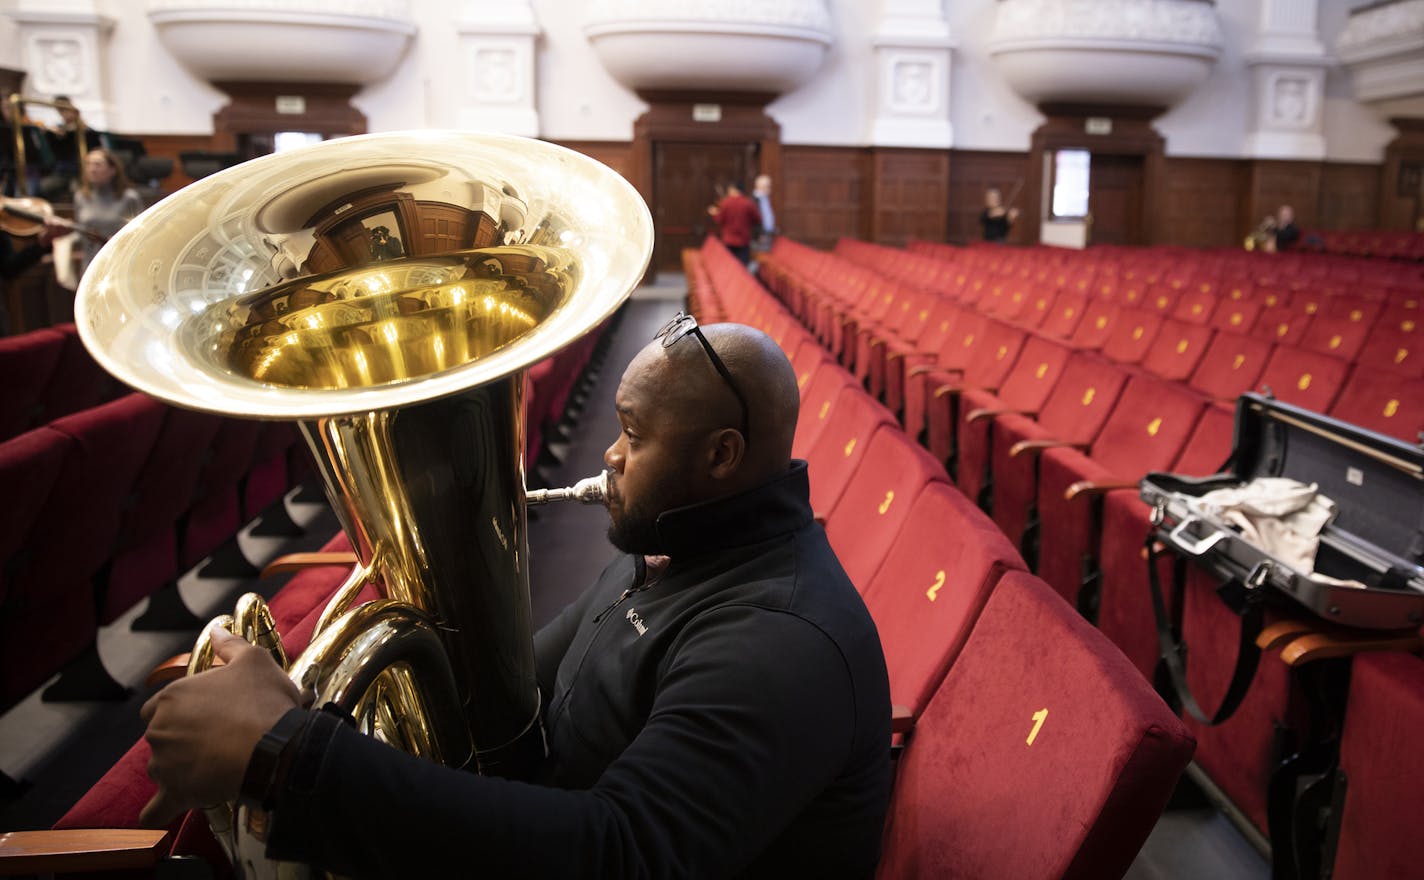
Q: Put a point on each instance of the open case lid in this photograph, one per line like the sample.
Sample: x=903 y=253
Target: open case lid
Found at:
x=1377 y=482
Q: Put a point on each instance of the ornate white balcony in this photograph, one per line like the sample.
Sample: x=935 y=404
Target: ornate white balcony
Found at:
x=1140 y=52
x=334 y=41
x=1383 y=47
x=731 y=45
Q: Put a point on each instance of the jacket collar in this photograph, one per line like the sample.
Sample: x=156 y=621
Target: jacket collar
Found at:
x=779 y=506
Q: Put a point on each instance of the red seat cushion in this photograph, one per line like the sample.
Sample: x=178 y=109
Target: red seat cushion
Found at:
x=831 y=460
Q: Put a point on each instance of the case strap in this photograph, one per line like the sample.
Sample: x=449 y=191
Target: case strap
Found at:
x=1246 y=598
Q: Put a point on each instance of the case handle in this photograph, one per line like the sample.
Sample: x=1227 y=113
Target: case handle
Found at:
x=1194 y=548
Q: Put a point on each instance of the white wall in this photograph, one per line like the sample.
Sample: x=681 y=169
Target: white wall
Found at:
x=149 y=93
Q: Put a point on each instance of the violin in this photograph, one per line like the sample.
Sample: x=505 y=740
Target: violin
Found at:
x=28 y=216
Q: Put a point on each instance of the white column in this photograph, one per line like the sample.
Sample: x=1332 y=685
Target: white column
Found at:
x=912 y=54
x=497 y=44
x=62 y=46
x=1287 y=62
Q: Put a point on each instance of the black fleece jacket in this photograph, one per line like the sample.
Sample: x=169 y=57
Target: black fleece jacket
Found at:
x=731 y=719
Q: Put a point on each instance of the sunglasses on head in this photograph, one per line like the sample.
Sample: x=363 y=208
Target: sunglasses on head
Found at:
x=686 y=325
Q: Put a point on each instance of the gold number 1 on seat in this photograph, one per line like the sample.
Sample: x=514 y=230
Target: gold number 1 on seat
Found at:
x=1037 y=723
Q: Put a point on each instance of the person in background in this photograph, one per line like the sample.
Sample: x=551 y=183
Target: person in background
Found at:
x=761 y=193
x=737 y=218
x=995 y=218
x=103 y=203
x=1286 y=232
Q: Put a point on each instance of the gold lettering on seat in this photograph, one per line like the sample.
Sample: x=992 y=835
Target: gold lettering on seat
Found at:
x=1182 y=346
x=1002 y=353
x=924 y=314
x=1304 y=382
x=885 y=505
x=1043 y=370
x=1041 y=305
x=1237 y=361
x=1038 y=719
x=1400 y=355
x=1357 y=316
x=969 y=340
x=825 y=408
x=1069 y=312
x=850 y=445
x=1089 y=395
x=943 y=326
x=1197 y=309
x=1335 y=341
x=1205 y=287
x=1282 y=329
x=1101 y=322
x=1407 y=325
x=801 y=382
x=1271 y=299
x=933 y=591
x=1161 y=302
x=1311 y=308
x=1391 y=408
x=1137 y=332
x=1154 y=426
x=1236 y=293
x=1236 y=319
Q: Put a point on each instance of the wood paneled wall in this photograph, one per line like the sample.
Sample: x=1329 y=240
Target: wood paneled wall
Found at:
x=910 y=195
x=1201 y=205
x=971 y=173
x=824 y=194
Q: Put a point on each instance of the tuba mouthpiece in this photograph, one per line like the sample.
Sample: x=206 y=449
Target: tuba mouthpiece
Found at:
x=591 y=490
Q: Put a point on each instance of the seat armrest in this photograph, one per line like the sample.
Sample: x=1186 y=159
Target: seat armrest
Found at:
x=1094 y=487
x=298 y=561
x=1036 y=446
x=79 y=849
x=1282 y=632
x=981 y=414
x=901 y=719
x=1348 y=643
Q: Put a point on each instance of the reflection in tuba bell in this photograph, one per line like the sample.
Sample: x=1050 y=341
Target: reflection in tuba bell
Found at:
x=256 y=293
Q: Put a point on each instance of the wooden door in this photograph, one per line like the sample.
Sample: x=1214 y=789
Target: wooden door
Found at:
x=684 y=177
x=1115 y=199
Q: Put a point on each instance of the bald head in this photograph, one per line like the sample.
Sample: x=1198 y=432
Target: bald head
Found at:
x=680 y=388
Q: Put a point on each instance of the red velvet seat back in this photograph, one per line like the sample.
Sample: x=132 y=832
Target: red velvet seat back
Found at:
x=1098 y=321
x=1303 y=378
x=1384 y=402
x=1394 y=349
x=817 y=399
x=853 y=420
x=1133 y=335
x=1065 y=316
x=1235 y=316
x=1282 y=325
x=1336 y=337
x=865 y=520
x=1231 y=366
x=1178 y=350
x=941 y=568
x=1042 y=754
x=27 y=362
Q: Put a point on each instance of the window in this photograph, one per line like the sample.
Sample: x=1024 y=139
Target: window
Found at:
x=290 y=140
x=1070 y=183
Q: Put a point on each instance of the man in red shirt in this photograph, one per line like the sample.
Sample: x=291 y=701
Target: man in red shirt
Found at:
x=737 y=217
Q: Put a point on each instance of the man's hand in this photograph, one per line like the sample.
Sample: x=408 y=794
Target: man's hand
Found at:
x=202 y=729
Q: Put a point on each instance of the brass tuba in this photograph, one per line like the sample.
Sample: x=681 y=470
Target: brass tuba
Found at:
x=388 y=292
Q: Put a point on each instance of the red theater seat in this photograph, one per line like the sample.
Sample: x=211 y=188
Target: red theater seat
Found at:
x=26 y=361
x=1231 y=366
x=1303 y=378
x=925 y=597
x=833 y=457
x=1072 y=416
x=1178 y=350
x=1384 y=402
x=817 y=399
x=1145 y=432
x=876 y=502
x=1383 y=769
x=1041 y=755
x=967 y=442
x=993 y=354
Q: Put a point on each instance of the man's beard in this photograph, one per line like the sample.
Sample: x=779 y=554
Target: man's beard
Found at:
x=634 y=528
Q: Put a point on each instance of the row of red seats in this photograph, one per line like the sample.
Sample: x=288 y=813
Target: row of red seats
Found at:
x=48 y=373
x=1127 y=422
x=1387 y=243
x=108 y=505
x=982 y=657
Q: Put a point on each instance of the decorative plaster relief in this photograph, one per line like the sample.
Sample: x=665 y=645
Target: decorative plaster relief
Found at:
x=1292 y=103
x=496 y=75
x=58 y=65
x=1166 y=21
x=913 y=86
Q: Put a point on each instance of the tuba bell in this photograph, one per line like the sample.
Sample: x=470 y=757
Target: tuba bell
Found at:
x=388 y=292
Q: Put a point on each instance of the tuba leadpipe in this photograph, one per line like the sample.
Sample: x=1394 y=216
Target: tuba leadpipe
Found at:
x=589 y=490
x=387 y=293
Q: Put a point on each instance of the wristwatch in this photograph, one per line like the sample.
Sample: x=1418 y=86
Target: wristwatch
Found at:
x=264 y=768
